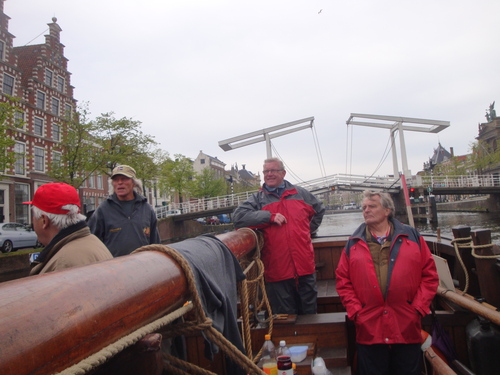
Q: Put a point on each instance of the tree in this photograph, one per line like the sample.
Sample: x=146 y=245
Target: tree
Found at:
x=80 y=154
x=206 y=185
x=8 y=123
x=121 y=142
x=177 y=175
x=483 y=156
x=98 y=146
x=452 y=167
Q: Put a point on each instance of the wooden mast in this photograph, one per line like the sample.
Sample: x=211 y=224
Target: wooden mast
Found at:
x=52 y=321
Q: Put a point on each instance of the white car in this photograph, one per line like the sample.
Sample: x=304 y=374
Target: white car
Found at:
x=16 y=236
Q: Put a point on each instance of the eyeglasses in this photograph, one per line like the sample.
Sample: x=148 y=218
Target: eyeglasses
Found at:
x=273 y=171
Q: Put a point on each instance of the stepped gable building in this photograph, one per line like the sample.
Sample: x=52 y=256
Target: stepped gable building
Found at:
x=38 y=77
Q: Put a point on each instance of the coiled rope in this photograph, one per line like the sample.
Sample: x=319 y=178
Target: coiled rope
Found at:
x=253 y=292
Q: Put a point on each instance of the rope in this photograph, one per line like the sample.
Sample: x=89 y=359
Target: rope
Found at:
x=111 y=350
x=459 y=257
x=466 y=242
x=200 y=320
x=253 y=292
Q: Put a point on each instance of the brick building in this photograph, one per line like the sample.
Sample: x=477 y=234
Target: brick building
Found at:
x=38 y=76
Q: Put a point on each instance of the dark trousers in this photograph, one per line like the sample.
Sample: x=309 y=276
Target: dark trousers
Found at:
x=293 y=296
x=395 y=359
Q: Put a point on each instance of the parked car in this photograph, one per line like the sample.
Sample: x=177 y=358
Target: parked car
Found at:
x=17 y=236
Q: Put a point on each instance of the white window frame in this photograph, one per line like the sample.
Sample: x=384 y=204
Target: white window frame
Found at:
x=60 y=83
x=56 y=132
x=20 y=163
x=56 y=158
x=39 y=159
x=49 y=77
x=54 y=106
x=10 y=88
x=35 y=126
x=40 y=99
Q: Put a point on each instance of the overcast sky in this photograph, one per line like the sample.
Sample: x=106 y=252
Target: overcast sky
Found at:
x=198 y=72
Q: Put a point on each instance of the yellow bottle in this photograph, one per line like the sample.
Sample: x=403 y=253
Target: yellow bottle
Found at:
x=269 y=363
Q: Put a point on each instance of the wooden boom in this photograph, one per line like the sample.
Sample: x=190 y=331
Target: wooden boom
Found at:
x=52 y=321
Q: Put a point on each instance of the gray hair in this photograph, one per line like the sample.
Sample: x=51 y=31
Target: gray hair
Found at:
x=61 y=221
x=385 y=200
x=275 y=160
x=138 y=186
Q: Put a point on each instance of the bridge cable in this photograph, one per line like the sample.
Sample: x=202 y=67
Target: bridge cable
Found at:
x=318 y=152
x=288 y=169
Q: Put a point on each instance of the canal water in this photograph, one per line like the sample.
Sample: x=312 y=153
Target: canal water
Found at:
x=346 y=223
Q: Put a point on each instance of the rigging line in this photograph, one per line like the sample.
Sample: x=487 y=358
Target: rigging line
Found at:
x=36 y=36
x=381 y=162
x=288 y=170
x=346 y=149
x=318 y=152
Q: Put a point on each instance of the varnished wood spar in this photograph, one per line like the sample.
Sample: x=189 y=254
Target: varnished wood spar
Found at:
x=483 y=310
x=52 y=321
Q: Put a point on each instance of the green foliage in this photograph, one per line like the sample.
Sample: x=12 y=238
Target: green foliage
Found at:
x=483 y=156
x=121 y=141
x=177 y=176
x=100 y=145
x=453 y=167
x=7 y=125
x=80 y=155
x=206 y=185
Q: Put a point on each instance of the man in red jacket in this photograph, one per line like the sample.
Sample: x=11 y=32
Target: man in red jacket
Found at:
x=286 y=215
x=386 y=279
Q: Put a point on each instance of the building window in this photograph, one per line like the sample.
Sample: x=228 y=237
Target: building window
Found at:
x=99 y=181
x=20 y=164
x=91 y=181
x=2 y=49
x=19 y=119
x=48 y=77
x=55 y=106
x=39 y=159
x=8 y=84
x=202 y=161
x=56 y=159
x=68 y=110
x=21 y=194
x=56 y=132
x=38 y=126
x=60 y=83
x=40 y=99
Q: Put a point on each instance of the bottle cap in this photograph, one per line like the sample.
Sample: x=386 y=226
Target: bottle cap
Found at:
x=267 y=337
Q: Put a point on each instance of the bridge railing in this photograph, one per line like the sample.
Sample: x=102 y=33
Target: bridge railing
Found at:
x=203 y=204
x=457 y=181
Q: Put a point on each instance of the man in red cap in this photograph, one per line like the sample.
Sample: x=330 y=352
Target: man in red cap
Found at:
x=62 y=230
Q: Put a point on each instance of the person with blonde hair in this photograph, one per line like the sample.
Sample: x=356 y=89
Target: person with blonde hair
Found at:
x=62 y=230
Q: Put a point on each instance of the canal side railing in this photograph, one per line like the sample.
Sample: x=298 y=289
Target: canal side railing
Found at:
x=203 y=204
x=337 y=181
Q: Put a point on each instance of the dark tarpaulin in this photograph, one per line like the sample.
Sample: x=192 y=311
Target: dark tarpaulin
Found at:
x=217 y=273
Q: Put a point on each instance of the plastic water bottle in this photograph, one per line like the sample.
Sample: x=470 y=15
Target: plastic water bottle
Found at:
x=269 y=362
x=283 y=349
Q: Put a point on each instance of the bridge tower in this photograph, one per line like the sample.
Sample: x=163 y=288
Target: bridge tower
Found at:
x=399 y=124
